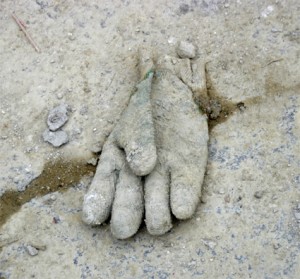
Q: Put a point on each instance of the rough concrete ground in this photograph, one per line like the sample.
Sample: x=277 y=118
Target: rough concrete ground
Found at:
x=248 y=223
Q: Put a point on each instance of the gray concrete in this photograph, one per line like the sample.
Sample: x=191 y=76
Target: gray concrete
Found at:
x=88 y=60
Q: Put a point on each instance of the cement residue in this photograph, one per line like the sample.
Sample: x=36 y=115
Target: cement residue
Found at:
x=56 y=176
x=219 y=109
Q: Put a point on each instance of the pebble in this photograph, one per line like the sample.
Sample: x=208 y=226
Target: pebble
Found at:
x=32 y=251
x=216 y=109
x=57 y=117
x=276 y=246
x=57 y=138
x=71 y=36
x=59 y=95
x=258 y=194
x=38 y=246
x=221 y=191
x=186 y=50
x=172 y=40
x=96 y=147
x=209 y=243
x=93 y=161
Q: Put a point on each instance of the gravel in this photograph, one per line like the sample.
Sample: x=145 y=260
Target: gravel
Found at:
x=57 y=138
x=58 y=117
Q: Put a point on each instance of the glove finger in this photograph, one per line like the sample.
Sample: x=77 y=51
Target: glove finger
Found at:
x=157 y=188
x=135 y=131
x=128 y=205
x=138 y=140
x=98 y=200
x=186 y=183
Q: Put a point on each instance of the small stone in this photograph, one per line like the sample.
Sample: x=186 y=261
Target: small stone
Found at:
x=71 y=36
x=215 y=109
x=258 y=194
x=276 y=246
x=57 y=117
x=57 y=138
x=172 y=40
x=93 y=161
x=226 y=5
x=221 y=191
x=59 y=95
x=186 y=50
x=37 y=245
x=32 y=251
x=96 y=147
x=209 y=243
x=241 y=106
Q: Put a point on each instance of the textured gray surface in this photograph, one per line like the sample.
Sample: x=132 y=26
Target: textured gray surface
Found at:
x=88 y=61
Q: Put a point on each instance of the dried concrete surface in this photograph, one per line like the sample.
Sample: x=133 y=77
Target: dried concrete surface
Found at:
x=248 y=223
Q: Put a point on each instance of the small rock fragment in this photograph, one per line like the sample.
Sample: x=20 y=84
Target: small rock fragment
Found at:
x=172 y=40
x=186 y=50
x=258 y=194
x=93 y=161
x=209 y=243
x=276 y=246
x=32 y=251
x=57 y=138
x=37 y=245
x=241 y=106
x=215 y=109
x=221 y=191
x=57 y=117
